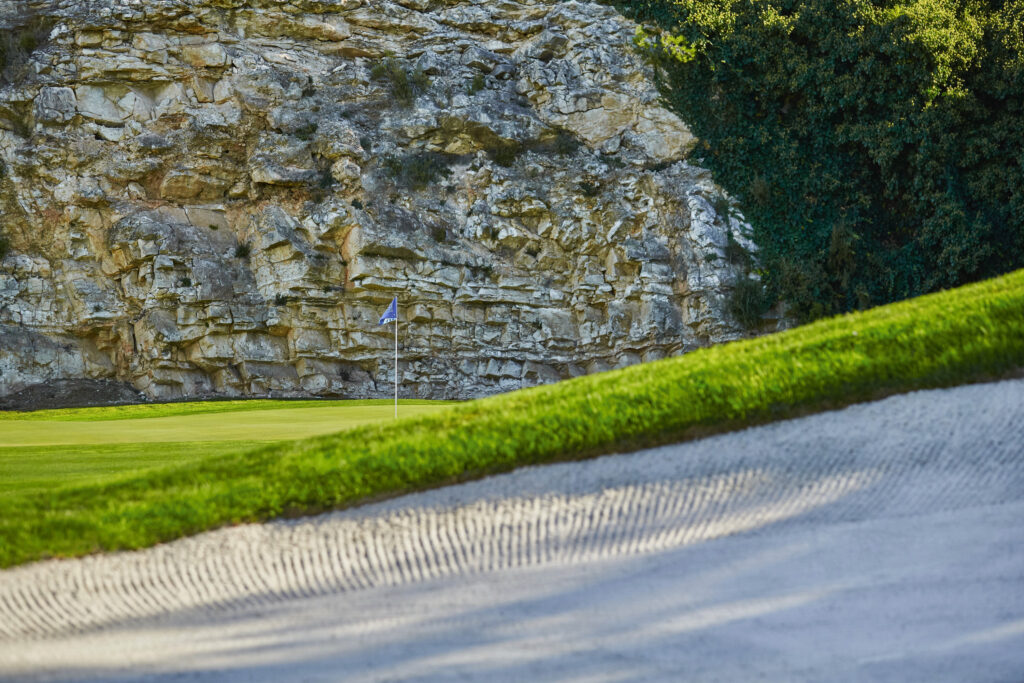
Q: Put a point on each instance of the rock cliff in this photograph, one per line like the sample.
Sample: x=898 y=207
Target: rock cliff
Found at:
x=220 y=197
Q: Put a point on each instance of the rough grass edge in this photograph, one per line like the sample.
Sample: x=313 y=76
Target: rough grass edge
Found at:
x=972 y=334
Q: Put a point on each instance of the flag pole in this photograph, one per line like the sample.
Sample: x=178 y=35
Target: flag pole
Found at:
x=396 y=362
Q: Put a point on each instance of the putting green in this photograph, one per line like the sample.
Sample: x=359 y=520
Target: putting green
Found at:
x=277 y=424
x=52 y=448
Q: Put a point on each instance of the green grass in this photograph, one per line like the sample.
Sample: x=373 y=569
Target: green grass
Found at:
x=192 y=408
x=971 y=334
x=35 y=469
x=50 y=448
x=258 y=424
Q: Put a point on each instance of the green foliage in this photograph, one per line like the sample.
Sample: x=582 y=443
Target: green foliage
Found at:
x=476 y=85
x=589 y=189
x=419 y=80
x=875 y=144
x=5 y=246
x=417 y=170
x=735 y=254
x=613 y=161
x=243 y=250
x=357 y=204
x=720 y=203
x=405 y=84
x=944 y=339
x=35 y=469
x=748 y=302
x=506 y=153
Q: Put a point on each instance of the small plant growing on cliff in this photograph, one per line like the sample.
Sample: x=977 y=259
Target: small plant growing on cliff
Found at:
x=420 y=79
x=612 y=161
x=5 y=246
x=720 y=203
x=735 y=253
x=476 y=85
x=185 y=282
x=590 y=189
x=748 y=302
x=212 y=226
x=356 y=204
x=565 y=142
x=243 y=250
x=659 y=166
x=405 y=84
x=417 y=171
x=507 y=153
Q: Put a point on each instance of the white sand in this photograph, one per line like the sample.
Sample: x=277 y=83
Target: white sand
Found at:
x=884 y=542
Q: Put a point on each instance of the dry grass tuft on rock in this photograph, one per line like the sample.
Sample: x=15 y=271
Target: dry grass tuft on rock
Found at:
x=418 y=170
x=406 y=84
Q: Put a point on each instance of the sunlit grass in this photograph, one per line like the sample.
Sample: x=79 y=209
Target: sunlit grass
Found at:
x=970 y=334
x=50 y=448
x=144 y=410
x=34 y=469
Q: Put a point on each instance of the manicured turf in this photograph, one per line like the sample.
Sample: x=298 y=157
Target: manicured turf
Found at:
x=33 y=469
x=195 y=408
x=970 y=334
x=49 y=448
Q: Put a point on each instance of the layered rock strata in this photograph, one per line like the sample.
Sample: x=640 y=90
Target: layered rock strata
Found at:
x=220 y=197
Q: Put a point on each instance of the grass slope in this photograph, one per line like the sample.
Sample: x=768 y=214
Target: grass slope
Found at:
x=969 y=334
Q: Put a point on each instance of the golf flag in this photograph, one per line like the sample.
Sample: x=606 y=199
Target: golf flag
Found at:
x=390 y=315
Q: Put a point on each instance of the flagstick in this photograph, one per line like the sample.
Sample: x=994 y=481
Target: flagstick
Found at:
x=396 y=362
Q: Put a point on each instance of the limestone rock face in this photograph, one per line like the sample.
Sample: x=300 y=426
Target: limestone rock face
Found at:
x=220 y=197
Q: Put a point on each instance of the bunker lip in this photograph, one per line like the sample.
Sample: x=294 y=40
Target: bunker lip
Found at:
x=868 y=542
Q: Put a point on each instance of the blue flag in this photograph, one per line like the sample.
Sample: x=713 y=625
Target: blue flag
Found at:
x=390 y=315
